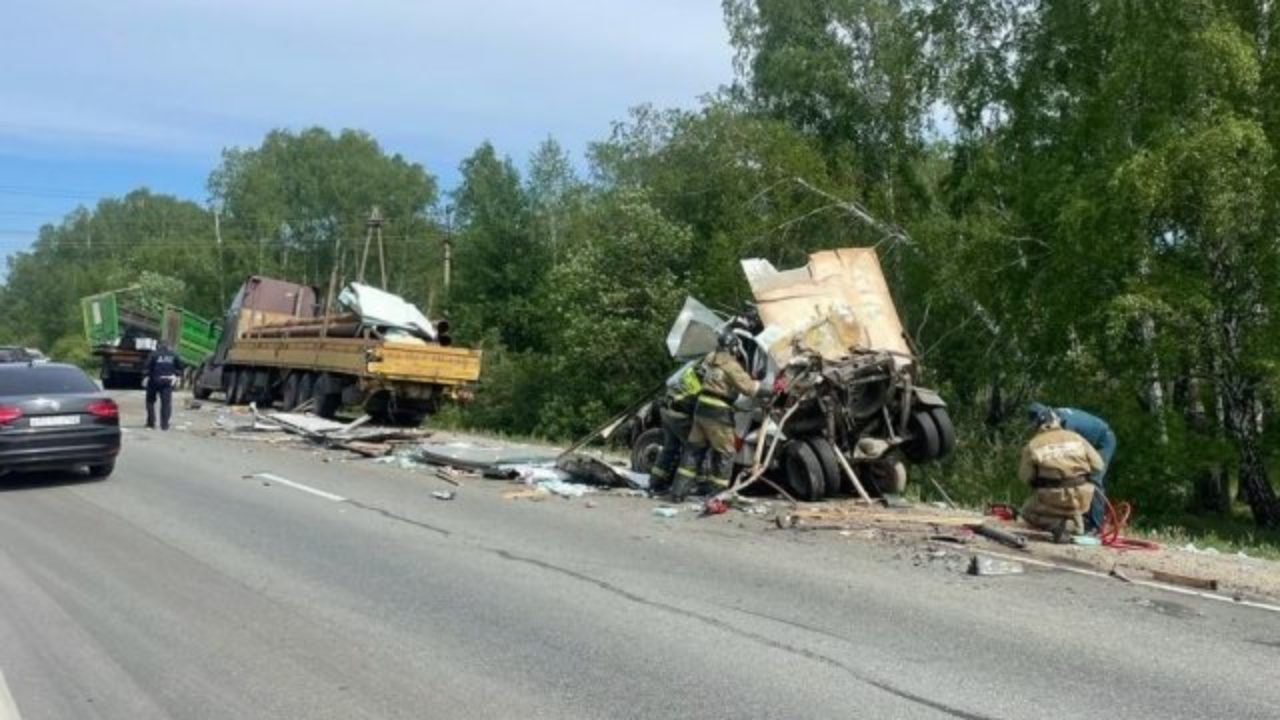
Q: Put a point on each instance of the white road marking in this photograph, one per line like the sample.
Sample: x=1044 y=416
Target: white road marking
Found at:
x=8 y=708
x=1133 y=581
x=296 y=486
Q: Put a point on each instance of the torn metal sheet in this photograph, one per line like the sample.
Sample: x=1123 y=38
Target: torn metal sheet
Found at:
x=837 y=302
x=383 y=309
x=694 y=332
x=469 y=456
x=595 y=471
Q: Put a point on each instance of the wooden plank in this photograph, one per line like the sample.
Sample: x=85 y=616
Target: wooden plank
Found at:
x=1184 y=580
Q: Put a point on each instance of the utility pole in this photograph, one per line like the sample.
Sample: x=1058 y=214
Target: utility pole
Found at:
x=448 y=250
x=217 y=234
x=374 y=225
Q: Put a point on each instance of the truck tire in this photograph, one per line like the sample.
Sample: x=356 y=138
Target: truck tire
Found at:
x=290 y=400
x=804 y=472
x=200 y=392
x=833 y=478
x=232 y=390
x=244 y=387
x=108 y=380
x=946 y=430
x=306 y=387
x=644 y=451
x=260 y=390
x=924 y=443
x=327 y=401
x=887 y=476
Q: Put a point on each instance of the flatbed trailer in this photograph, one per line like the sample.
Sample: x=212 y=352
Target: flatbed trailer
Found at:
x=279 y=349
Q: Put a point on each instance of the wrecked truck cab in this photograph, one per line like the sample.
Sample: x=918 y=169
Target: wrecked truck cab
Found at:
x=832 y=331
x=854 y=380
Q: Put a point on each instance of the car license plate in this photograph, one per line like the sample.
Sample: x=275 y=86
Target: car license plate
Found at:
x=55 y=421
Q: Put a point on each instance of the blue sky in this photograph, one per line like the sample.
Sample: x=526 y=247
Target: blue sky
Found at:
x=99 y=97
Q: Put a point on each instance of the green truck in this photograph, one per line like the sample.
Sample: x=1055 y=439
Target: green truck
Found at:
x=124 y=326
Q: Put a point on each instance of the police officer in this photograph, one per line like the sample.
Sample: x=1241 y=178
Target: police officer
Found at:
x=161 y=371
x=712 y=436
x=676 y=415
x=1097 y=433
x=1057 y=464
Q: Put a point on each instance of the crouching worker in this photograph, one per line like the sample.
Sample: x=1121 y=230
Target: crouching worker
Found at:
x=1057 y=464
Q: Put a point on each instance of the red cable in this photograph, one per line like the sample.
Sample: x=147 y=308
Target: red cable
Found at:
x=1114 y=523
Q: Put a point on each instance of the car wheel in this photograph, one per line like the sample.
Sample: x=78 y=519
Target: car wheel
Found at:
x=946 y=431
x=644 y=451
x=804 y=472
x=924 y=442
x=102 y=470
x=831 y=474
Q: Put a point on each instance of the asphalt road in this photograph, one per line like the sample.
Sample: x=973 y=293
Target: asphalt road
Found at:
x=191 y=585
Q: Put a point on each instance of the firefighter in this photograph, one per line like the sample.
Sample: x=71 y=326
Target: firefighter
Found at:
x=1057 y=464
x=676 y=415
x=1097 y=433
x=162 y=371
x=723 y=378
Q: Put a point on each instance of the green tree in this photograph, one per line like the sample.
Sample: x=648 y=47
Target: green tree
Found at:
x=297 y=205
x=500 y=264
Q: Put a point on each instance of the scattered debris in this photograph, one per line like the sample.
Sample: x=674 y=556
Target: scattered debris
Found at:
x=1168 y=607
x=1086 y=540
x=449 y=475
x=984 y=566
x=589 y=504
x=1191 y=547
x=1184 y=580
x=193 y=404
x=536 y=494
x=443 y=494
x=598 y=472
x=715 y=506
x=665 y=512
x=1115 y=573
x=1000 y=536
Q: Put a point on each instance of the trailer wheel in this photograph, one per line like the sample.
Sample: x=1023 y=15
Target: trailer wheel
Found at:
x=109 y=380
x=804 y=472
x=924 y=442
x=306 y=387
x=327 y=401
x=826 y=454
x=888 y=476
x=260 y=390
x=244 y=387
x=644 y=451
x=198 y=390
x=232 y=390
x=946 y=430
x=290 y=400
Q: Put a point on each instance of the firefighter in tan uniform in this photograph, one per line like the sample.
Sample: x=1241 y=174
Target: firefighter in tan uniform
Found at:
x=1057 y=464
x=676 y=414
x=712 y=436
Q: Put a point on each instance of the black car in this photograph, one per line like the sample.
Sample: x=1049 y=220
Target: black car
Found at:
x=52 y=416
